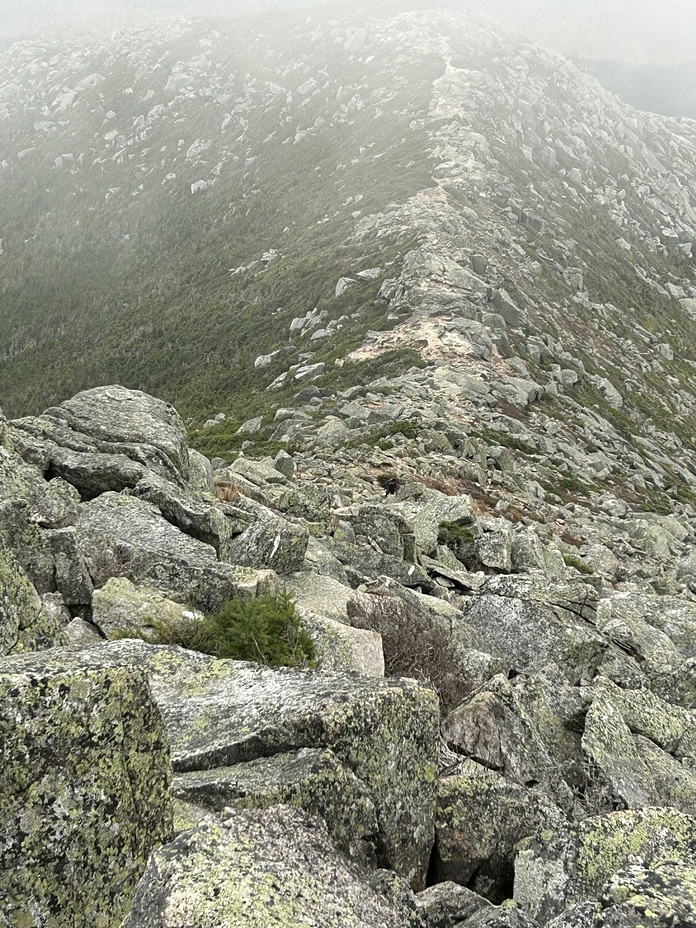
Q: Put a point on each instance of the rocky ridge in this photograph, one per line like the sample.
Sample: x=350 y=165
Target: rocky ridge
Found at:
x=560 y=760
x=532 y=560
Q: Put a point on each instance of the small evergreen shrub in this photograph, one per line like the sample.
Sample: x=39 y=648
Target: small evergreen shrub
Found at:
x=454 y=534
x=266 y=629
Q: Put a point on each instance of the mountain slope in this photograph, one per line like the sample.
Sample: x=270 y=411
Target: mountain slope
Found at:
x=173 y=200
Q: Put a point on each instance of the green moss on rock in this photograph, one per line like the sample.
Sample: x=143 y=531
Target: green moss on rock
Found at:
x=309 y=779
x=571 y=864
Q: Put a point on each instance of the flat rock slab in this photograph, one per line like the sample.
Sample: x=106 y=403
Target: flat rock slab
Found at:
x=310 y=779
x=220 y=712
x=84 y=792
x=531 y=623
x=258 y=869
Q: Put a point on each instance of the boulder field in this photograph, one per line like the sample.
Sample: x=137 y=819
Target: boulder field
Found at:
x=489 y=737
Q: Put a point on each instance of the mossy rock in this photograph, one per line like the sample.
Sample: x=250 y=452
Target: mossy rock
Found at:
x=309 y=779
x=223 y=712
x=20 y=605
x=479 y=819
x=272 y=868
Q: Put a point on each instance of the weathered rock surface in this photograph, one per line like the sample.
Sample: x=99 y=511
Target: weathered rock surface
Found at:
x=120 y=606
x=258 y=868
x=105 y=439
x=220 y=713
x=123 y=536
x=85 y=791
x=311 y=779
x=567 y=865
x=479 y=819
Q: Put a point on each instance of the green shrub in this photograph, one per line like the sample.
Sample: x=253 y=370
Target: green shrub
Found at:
x=266 y=629
x=454 y=534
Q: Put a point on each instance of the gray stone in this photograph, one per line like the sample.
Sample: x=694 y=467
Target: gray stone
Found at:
x=120 y=536
x=508 y=309
x=84 y=791
x=119 y=606
x=251 y=426
x=310 y=779
x=220 y=713
x=562 y=866
x=71 y=575
x=479 y=819
x=105 y=439
x=532 y=622
x=258 y=868
x=343 y=649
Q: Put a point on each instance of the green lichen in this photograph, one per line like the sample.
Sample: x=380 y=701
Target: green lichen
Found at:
x=312 y=780
x=609 y=843
x=85 y=794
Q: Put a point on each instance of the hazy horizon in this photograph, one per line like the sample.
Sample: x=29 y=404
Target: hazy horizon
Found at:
x=643 y=50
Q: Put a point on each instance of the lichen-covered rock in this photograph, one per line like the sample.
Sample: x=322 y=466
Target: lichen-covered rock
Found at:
x=310 y=779
x=19 y=528
x=446 y=904
x=383 y=528
x=122 y=536
x=582 y=915
x=427 y=509
x=20 y=604
x=527 y=729
x=531 y=622
x=663 y=897
x=494 y=544
x=501 y=917
x=196 y=515
x=121 y=606
x=71 y=576
x=644 y=747
x=258 y=869
x=222 y=712
x=200 y=473
x=343 y=649
x=84 y=791
x=48 y=629
x=478 y=821
x=650 y=898
x=320 y=595
x=263 y=481
x=105 y=439
x=639 y=625
x=557 y=868
x=272 y=543
x=363 y=563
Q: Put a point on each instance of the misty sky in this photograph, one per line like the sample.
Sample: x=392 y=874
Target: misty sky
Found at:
x=652 y=32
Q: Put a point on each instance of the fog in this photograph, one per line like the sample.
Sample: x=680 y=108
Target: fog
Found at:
x=645 y=50
x=655 y=32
